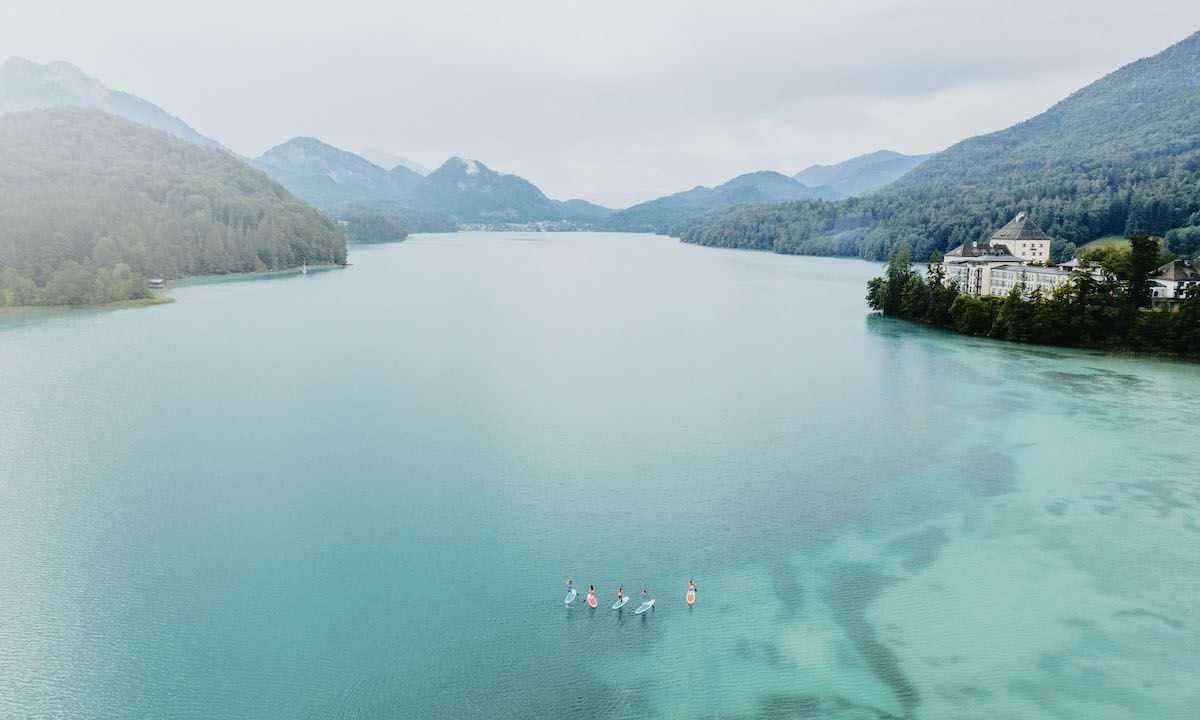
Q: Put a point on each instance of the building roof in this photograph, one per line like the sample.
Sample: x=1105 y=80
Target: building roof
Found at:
x=1019 y=229
x=1179 y=271
x=972 y=251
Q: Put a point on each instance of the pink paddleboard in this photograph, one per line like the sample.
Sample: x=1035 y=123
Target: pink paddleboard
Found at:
x=592 y=600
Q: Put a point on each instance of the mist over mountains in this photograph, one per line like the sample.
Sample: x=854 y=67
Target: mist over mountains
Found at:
x=460 y=192
x=1121 y=155
x=26 y=85
x=385 y=159
x=861 y=174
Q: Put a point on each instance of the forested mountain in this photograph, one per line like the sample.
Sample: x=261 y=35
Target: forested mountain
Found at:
x=26 y=85
x=472 y=192
x=91 y=204
x=861 y=174
x=326 y=176
x=365 y=224
x=756 y=188
x=337 y=181
x=1120 y=156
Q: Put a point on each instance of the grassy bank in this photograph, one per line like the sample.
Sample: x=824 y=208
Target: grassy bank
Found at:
x=118 y=305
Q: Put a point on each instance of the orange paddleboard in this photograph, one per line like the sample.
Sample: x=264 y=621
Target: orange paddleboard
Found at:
x=691 y=596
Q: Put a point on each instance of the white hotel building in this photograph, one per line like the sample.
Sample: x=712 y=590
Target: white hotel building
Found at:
x=996 y=268
x=993 y=270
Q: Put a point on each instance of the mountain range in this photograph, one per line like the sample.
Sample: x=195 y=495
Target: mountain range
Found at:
x=849 y=178
x=756 y=188
x=393 y=190
x=461 y=191
x=1119 y=156
x=336 y=181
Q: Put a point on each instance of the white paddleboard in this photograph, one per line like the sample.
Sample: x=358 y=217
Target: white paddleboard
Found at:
x=570 y=596
x=644 y=607
x=620 y=603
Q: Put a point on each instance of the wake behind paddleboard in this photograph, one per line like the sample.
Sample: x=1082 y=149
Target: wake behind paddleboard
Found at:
x=644 y=607
x=570 y=596
x=620 y=603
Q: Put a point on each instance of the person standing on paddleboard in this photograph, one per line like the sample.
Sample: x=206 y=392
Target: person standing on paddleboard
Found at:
x=692 y=586
x=645 y=597
x=620 y=594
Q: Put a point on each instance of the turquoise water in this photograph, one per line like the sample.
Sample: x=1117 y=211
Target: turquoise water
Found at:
x=357 y=494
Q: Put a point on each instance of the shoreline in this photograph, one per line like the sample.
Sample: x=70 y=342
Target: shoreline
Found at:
x=161 y=298
x=252 y=275
x=115 y=305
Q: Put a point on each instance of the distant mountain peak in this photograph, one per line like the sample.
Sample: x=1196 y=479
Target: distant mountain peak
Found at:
x=861 y=174
x=472 y=192
x=391 y=161
x=19 y=76
x=466 y=166
x=303 y=147
x=27 y=85
x=328 y=176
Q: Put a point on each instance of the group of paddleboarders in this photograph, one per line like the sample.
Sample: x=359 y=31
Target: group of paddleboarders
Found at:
x=622 y=598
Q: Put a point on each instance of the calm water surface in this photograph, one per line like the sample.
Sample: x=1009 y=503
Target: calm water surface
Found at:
x=357 y=494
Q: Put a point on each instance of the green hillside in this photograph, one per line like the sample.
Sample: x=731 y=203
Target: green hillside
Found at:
x=92 y=204
x=1120 y=156
x=1105 y=242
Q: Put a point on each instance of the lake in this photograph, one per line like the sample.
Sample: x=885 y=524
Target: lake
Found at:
x=359 y=493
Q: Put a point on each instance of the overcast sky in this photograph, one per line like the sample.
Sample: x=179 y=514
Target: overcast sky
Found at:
x=586 y=98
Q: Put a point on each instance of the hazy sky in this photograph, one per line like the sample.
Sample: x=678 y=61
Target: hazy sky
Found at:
x=589 y=97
